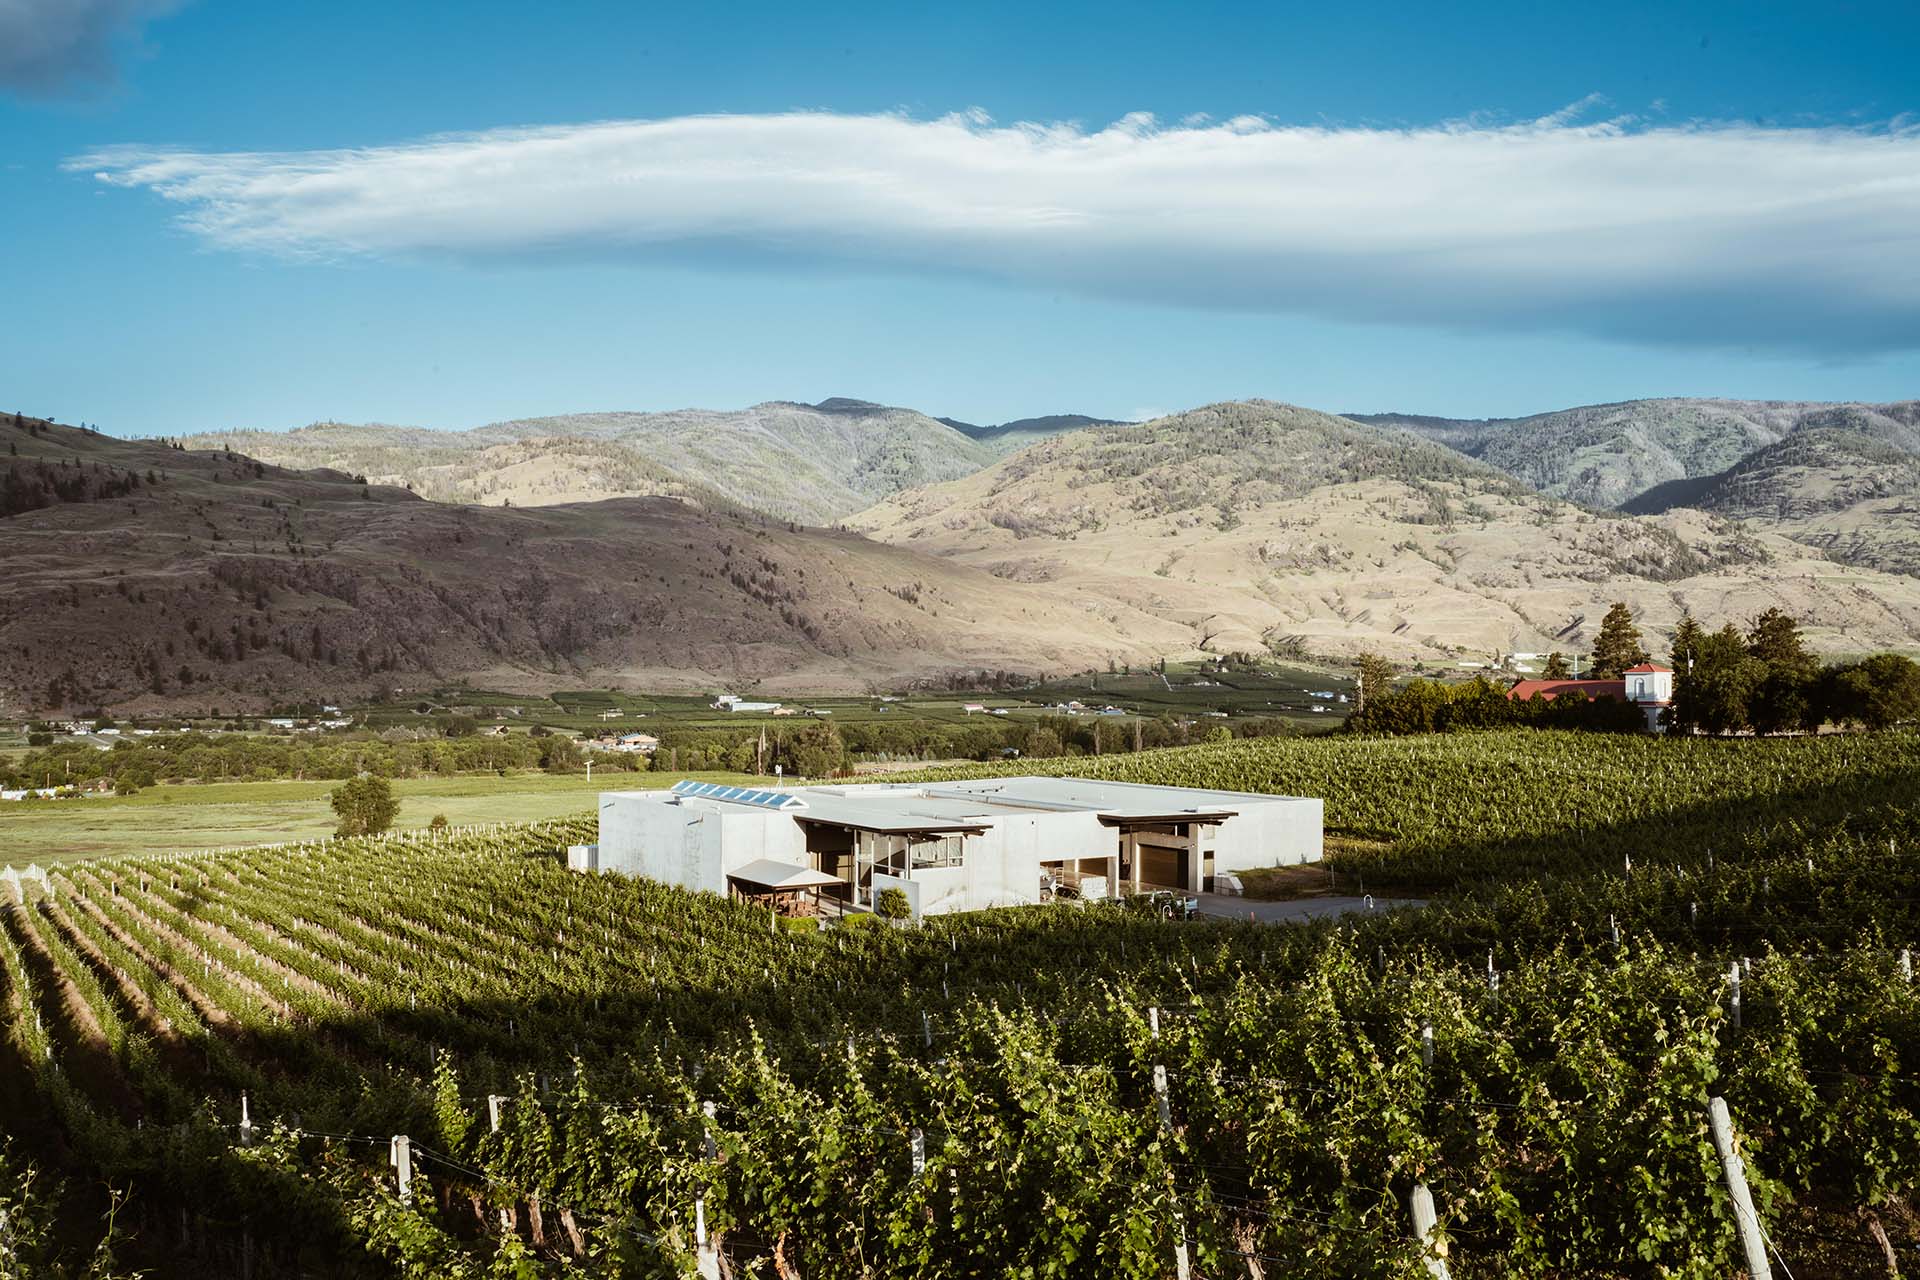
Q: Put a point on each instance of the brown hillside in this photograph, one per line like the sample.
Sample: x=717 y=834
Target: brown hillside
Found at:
x=138 y=574
x=1259 y=523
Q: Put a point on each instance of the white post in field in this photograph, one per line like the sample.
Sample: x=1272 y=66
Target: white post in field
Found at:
x=1751 y=1239
x=1433 y=1252
x=400 y=1156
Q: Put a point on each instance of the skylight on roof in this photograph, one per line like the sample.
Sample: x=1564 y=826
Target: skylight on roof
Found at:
x=739 y=795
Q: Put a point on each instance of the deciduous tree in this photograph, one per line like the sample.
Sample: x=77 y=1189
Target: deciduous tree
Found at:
x=1375 y=676
x=365 y=806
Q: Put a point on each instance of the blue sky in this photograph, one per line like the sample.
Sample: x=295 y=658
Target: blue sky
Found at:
x=220 y=215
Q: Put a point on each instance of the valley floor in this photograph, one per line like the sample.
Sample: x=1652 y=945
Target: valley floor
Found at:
x=218 y=815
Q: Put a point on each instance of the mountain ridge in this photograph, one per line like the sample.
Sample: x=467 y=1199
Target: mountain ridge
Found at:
x=806 y=463
x=144 y=575
x=1258 y=522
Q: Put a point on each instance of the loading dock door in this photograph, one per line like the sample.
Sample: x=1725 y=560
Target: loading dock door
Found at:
x=1163 y=868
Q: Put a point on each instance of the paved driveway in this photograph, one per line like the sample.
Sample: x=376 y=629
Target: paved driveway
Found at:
x=1226 y=906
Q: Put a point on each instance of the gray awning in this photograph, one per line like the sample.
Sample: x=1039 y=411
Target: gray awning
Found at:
x=768 y=876
x=1205 y=818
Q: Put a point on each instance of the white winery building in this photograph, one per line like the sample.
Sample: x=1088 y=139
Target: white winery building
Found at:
x=950 y=846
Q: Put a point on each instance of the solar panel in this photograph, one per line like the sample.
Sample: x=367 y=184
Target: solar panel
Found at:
x=739 y=795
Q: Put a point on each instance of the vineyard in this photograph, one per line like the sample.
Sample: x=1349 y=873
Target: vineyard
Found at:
x=445 y=1055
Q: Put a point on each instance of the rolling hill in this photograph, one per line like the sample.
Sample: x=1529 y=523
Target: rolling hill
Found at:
x=1258 y=523
x=1006 y=437
x=806 y=463
x=1604 y=455
x=1846 y=481
x=141 y=575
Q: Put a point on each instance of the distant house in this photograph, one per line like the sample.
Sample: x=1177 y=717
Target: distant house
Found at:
x=1648 y=686
x=1551 y=689
x=494 y=731
x=972 y=707
x=733 y=702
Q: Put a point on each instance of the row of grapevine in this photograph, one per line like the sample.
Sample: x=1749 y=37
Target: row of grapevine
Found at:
x=590 y=1068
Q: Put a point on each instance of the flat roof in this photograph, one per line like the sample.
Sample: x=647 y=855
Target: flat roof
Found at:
x=861 y=813
x=966 y=806
x=1100 y=794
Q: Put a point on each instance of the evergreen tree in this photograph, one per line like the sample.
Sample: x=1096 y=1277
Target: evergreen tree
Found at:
x=1617 y=647
x=1786 y=698
x=1557 y=668
x=1718 y=694
x=1775 y=640
x=1687 y=639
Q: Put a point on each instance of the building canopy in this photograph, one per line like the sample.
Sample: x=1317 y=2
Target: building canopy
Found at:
x=768 y=876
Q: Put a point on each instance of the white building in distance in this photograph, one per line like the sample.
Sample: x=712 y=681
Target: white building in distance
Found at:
x=950 y=846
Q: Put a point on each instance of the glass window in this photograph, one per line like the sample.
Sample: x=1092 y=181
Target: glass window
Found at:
x=949 y=851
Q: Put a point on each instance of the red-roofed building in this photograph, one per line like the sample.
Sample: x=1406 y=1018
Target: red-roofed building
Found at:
x=1551 y=689
x=1648 y=686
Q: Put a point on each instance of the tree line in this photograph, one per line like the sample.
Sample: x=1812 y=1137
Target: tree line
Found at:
x=233 y=757
x=1759 y=680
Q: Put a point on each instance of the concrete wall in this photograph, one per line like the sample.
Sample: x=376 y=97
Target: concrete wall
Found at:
x=675 y=844
x=1276 y=832
x=691 y=845
x=1002 y=869
x=912 y=888
x=695 y=845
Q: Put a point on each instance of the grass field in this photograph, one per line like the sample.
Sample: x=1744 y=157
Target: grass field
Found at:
x=1185 y=690
x=162 y=819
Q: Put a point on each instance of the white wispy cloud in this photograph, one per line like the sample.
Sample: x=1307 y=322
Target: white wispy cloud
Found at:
x=1803 y=239
x=50 y=45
